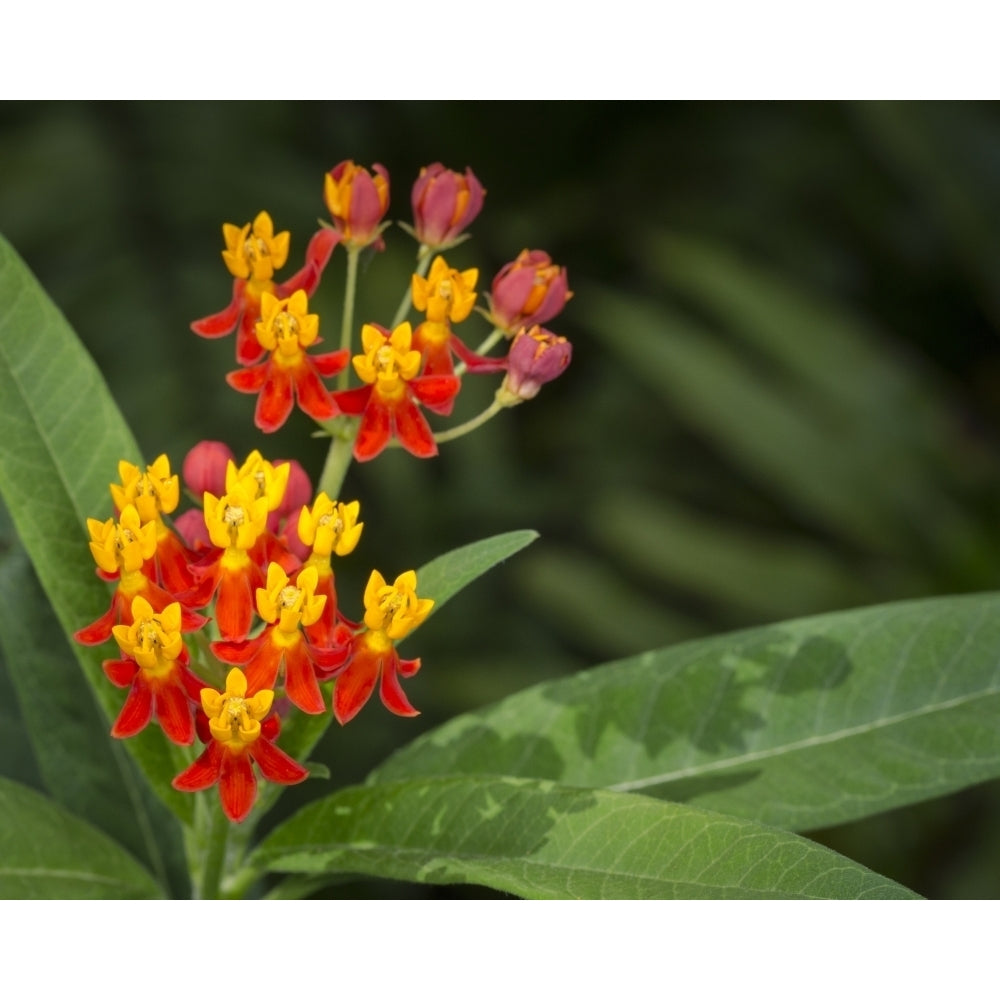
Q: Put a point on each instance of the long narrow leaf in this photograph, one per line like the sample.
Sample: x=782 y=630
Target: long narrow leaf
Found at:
x=800 y=725
x=540 y=840
x=61 y=438
x=47 y=853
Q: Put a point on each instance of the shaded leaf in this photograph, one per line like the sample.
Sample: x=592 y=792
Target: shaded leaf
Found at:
x=442 y=578
x=83 y=768
x=47 y=853
x=62 y=439
x=540 y=840
x=800 y=725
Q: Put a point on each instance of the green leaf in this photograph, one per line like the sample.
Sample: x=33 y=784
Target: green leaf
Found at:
x=83 y=767
x=442 y=578
x=540 y=840
x=800 y=725
x=62 y=438
x=47 y=853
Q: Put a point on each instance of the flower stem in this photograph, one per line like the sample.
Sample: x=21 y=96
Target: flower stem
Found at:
x=211 y=873
x=338 y=458
x=470 y=425
x=423 y=263
x=347 y=320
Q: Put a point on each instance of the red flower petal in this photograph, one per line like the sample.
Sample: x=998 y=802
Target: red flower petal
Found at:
x=275 y=400
x=237 y=786
x=353 y=401
x=204 y=772
x=100 y=631
x=137 y=710
x=314 y=398
x=355 y=685
x=332 y=363
x=175 y=714
x=375 y=430
x=221 y=323
x=321 y=246
x=248 y=348
x=412 y=430
x=435 y=390
x=390 y=691
x=120 y=672
x=249 y=379
x=262 y=671
x=300 y=680
x=275 y=764
x=236 y=652
x=234 y=605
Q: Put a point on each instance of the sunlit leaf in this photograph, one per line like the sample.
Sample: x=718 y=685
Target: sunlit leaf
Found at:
x=800 y=725
x=540 y=840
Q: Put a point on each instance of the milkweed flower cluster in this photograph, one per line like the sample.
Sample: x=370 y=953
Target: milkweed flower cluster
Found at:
x=226 y=615
x=253 y=564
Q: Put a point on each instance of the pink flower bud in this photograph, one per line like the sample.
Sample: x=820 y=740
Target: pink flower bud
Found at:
x=204 y=468
x=536 y=356
x=357 y=201
x=444 y=203
x=528 y=290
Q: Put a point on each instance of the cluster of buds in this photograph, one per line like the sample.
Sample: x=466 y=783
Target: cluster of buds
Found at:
x=408 y=366
x=256 y=557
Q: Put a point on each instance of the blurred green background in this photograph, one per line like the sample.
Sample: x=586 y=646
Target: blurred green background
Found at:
x=783 y=397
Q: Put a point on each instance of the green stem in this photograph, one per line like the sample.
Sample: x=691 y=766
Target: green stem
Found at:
x=347 y=320
x=470 y=425
x=338 y=458
x=211 y=873
x=423 y=263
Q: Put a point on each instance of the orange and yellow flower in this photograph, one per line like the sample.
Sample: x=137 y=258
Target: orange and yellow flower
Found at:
x=357 y=202
x=387 y=403
x=392 y=611
x=282 y=646
x=286 y=328
x=253 y=253
x=154 y=668
x=239 y=734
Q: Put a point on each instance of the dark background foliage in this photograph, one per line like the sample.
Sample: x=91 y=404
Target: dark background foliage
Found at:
x=783 y=397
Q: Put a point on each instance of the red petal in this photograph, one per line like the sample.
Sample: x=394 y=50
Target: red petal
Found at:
x=121 y=673
x=249 y=379
x=375 y=430
x=172 y=560
x=355 y=686
x=174 y=712
x=236 y=652
x=237 y=786
x=275 y=400
x=248 y=348
x=262 y=671
x=314 y=398
x=204 y=772
x=275 y=764
x=407 y=668
x=332 y=363
x=413 y=431
x=390 y=691
x=435 y=390
x=476 y=362
x=137 y=710
x=100 y=631
x=353 y=401
x=300 y=680
x=318 y=253
x=221 y=323
x=234 y=606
